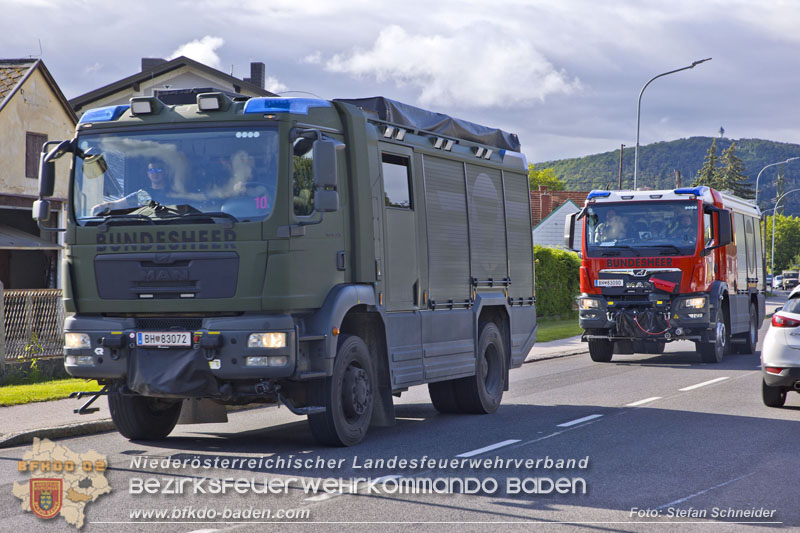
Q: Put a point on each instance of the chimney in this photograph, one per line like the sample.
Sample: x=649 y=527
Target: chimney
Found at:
x=543 y=189
x=257 y=74
x=546 y=203
x=149 y=63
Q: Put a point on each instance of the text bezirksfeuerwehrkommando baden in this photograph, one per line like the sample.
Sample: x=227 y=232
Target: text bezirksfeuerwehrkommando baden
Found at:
x=359 y=463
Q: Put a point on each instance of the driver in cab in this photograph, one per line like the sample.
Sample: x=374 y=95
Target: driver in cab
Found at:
x=684 y=230
x=612 y=229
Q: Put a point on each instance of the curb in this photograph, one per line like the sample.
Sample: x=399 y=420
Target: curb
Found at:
x=556 y=355
x=58 y=432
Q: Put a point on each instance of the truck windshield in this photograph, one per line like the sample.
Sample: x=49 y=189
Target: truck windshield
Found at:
x=643 y=228
x=226 y=172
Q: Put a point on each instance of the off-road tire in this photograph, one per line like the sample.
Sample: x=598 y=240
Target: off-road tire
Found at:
x=348 y=396
x=483 y=392
x=714 y=351
x=751 y=337
x=772 y=396
x=601 y=350
x=142 y=418
x=443 y=396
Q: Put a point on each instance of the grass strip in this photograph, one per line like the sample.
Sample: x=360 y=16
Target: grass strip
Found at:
x=44 y=391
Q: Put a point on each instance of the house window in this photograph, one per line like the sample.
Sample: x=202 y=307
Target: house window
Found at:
x=33 y=147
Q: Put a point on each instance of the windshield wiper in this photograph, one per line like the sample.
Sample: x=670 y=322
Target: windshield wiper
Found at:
x=670 y=246
x=108 y=219
x=229 y=219
x=614 y=250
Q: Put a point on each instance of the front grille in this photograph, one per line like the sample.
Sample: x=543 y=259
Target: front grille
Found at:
x=166 y=324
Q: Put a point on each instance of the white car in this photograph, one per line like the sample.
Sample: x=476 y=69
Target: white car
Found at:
x=780 y=354
x=777 y=282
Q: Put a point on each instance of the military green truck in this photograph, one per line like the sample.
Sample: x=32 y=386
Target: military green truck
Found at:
x=326 y=255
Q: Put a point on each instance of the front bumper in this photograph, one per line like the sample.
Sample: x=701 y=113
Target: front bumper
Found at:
x=218 y=353
x=661 y=317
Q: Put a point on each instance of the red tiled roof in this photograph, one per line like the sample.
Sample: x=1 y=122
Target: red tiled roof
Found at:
x=544 y=202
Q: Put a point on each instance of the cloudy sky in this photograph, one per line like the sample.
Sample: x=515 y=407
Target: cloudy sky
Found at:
x=562 y=74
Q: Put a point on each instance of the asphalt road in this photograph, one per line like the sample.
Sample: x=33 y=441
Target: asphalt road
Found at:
x=660 y=443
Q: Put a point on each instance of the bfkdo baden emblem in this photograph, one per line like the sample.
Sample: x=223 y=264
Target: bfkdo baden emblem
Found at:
x=46 y=496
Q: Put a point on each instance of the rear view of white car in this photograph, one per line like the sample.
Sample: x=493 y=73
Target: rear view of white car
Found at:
x=780 y=355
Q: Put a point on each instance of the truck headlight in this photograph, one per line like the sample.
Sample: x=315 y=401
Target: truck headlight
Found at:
x=694 y=303
x=77 y=340
x=267 y=340
x=589 y=303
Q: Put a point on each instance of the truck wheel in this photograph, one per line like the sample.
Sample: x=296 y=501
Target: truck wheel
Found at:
x=347 y=395
x=142 y=418
x=751 y=337
x=772 y=396
x=713 y=351
x=482 y=393
x=443 y=396
x=601 y=350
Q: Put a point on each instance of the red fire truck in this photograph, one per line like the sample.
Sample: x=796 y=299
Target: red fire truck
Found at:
x=660 y=266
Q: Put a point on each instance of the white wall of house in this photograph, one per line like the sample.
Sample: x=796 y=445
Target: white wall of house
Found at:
x=34 y=108
x=550 y=231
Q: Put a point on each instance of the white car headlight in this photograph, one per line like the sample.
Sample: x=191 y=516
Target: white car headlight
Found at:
x=589 y=303
x=77 y=340
x=267 y=340
x=694 y=303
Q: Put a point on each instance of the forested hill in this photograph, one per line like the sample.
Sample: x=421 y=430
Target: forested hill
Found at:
x=658 y=161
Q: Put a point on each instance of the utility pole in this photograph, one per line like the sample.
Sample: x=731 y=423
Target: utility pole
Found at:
x=677 y=178
x=621 y=146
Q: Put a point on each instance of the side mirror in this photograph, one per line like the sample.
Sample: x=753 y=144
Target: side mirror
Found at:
x=41 y=210
x=325 y=165
x=725 y=231
x=569 y=230
x=326 y=201
x=47 y=176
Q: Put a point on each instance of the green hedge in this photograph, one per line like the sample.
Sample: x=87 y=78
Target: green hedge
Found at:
x=557 y=281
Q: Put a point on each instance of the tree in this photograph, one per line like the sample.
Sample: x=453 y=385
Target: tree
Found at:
x=709 y=173
x=787 y=241
x=731 y=176
x=546 y=177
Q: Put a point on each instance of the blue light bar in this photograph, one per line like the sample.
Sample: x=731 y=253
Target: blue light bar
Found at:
x=104 y=114
x=697 y=191
x=598 y=194
x=298 y=106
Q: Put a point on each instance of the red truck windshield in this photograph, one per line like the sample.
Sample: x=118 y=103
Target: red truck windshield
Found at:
x=642 y=228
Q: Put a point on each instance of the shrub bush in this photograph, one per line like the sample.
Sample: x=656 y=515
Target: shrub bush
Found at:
x=557 y=281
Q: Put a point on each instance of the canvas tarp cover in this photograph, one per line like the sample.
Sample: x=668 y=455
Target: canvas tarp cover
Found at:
x=414 y=117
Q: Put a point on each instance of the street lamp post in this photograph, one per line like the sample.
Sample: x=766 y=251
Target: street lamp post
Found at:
x=775 y=212
x=766 y=167
x=639 y=110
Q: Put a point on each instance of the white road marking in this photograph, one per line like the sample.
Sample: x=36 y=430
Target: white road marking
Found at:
x=578 y=421
x=689 y=497
x=703 y=384
x=488 y=448
x=642 y=402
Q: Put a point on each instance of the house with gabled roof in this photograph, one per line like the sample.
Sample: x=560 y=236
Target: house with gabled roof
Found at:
x=33 y=110
x=179 y=73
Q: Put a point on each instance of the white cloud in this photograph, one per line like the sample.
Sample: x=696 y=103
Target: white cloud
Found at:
x=273 y=85
x=91 y=69
x=201 y=50
x=477 y=66
x=313 y=59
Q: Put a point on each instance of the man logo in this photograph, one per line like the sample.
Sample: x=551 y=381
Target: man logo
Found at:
x=46 y=497
x=639 y=273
